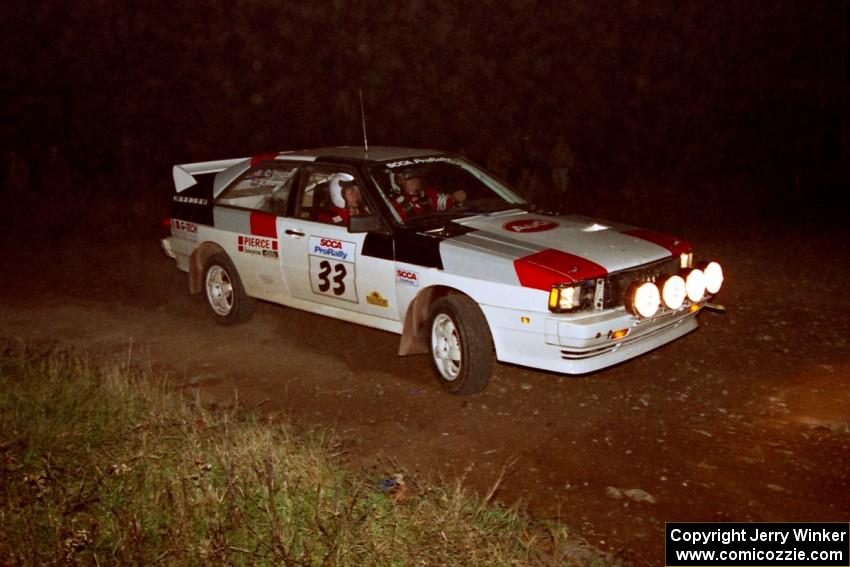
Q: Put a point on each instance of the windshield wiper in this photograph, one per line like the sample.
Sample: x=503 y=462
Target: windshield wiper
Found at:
x=498 y=209
x=424 y=219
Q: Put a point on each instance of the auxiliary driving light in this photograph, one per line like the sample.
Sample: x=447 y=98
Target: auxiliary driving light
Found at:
x=695 y=285
x=673 y=292
x=713 y=277
x=644 y=299
x=564 y=298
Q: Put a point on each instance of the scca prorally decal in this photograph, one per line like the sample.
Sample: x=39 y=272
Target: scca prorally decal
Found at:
x=416 y=161
x=530 y=225
x=184 y=229
x=407 y=277
x=257 y=246
x=332 y=268
x=332 y=248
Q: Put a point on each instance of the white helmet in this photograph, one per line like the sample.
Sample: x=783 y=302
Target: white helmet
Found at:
x=335 y=188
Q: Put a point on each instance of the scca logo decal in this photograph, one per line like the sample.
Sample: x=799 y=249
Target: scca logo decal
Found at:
x=332 y=248
x=530 y=225
x=407 y=278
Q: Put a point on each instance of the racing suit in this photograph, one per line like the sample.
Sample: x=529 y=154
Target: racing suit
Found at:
x=334 y=215
x=427 y=201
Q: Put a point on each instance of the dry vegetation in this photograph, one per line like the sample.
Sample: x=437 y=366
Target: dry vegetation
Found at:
x=107 y=465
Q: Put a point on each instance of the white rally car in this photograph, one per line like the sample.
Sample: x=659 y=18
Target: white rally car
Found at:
x=436 y=250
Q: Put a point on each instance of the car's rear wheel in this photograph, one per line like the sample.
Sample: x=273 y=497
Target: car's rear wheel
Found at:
x=226 y=297
x=461 y=345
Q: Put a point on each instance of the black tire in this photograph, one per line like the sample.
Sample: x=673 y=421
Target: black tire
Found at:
x=460 y=344
x=224 y=293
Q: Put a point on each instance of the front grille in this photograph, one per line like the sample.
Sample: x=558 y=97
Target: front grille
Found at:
x=616 y=285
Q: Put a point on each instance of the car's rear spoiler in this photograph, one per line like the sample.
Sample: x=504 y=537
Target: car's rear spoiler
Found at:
x=184 y=175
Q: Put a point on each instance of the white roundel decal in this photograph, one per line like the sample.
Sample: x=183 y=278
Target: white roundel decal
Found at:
x=530 y=225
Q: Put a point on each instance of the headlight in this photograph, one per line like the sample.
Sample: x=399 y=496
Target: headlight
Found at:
x=695 y=285
x=565 y=298
x=673 y=292
x=713 y=277
x=643 y=299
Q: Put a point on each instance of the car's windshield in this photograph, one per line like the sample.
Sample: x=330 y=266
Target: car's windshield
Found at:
x=417 y=190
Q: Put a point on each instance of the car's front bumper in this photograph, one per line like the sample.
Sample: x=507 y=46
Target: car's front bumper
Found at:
x=577 y=345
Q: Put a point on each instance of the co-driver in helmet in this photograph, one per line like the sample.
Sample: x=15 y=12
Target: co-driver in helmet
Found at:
x=346 y=200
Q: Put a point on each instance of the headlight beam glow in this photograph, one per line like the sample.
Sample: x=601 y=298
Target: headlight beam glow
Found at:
x=644 y=299
x=695 y=285
x=713 y=277
x=673 y=292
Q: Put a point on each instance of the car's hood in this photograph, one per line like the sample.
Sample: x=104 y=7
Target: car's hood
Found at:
x=604 y=243
x=565 y=248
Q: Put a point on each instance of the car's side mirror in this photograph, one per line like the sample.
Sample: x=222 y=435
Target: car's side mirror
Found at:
x=366 y=223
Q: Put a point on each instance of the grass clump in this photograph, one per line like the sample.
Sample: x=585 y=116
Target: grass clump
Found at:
x=106 y=465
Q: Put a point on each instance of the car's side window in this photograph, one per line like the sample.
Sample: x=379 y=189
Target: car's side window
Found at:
x=265 y=187
x=331 y=196
x=315 y=196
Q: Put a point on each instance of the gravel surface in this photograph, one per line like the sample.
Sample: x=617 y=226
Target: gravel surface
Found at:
x=746 y=419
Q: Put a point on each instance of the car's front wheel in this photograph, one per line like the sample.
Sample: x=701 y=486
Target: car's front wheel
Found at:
x=461 y=345
x=224 y=291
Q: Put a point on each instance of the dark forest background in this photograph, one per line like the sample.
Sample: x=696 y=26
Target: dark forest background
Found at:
x=736 y=105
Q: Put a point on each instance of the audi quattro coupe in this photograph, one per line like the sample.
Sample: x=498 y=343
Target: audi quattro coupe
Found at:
x=427 y=245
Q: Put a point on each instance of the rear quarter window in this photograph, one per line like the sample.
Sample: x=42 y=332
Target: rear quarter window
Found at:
x=265 y=187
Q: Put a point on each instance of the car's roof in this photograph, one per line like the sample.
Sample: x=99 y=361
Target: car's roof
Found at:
x=375 y=153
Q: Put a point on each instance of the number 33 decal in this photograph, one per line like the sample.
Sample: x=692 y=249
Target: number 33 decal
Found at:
x=338 y=279
x=333 y=279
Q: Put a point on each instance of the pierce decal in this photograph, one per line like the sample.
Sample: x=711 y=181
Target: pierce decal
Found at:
x=530 y=225
x=407 y=277
x=257 y=246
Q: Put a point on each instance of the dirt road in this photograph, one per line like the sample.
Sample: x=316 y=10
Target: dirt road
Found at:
x=746 y=419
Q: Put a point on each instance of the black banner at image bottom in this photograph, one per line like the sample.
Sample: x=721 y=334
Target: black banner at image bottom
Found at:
x=806 y=544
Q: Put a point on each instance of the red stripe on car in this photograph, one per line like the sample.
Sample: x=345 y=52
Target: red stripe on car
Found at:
x=671 y=243
x=550 y=267
x=263 y=224
x=269 y=156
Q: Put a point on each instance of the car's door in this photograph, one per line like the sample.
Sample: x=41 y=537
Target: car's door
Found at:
x=245 y=218
x=323 y=262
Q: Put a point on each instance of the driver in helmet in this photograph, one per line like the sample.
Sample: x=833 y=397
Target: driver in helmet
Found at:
x=416 y=199
x=346 y=200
